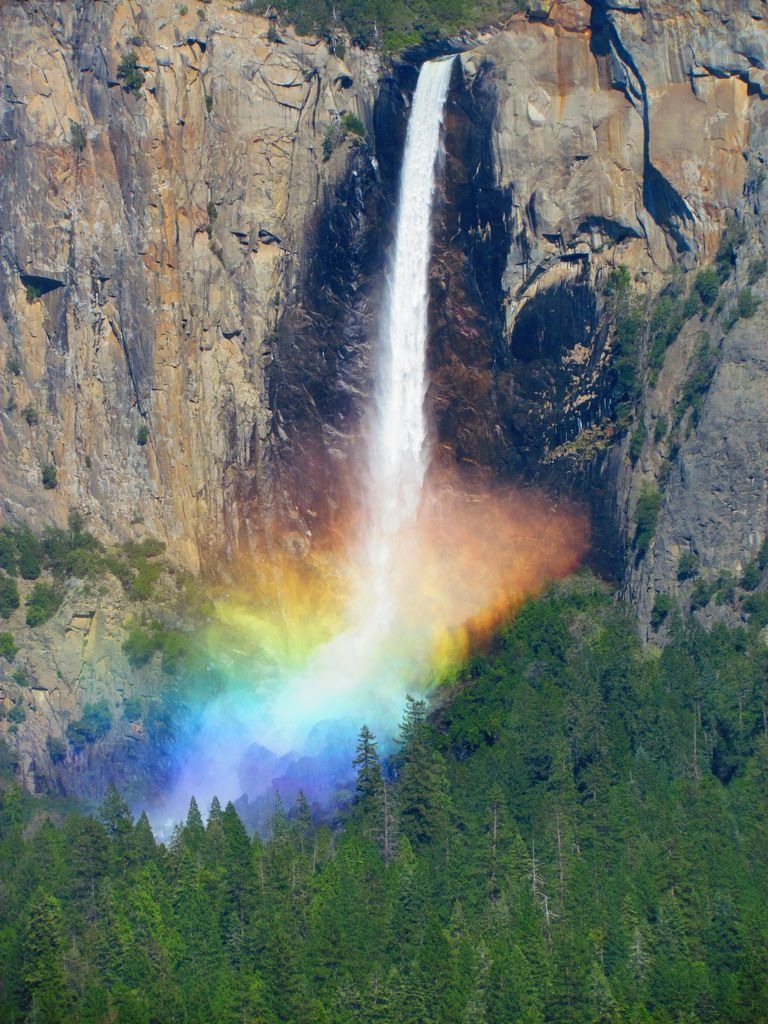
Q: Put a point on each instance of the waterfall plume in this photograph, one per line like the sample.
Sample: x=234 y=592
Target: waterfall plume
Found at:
x=427 y=566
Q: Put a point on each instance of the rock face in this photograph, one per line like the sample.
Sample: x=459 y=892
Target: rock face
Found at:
x=191 y=258
x=618 y=136
x=73 y=661
x=714 y=486
x=197 y=264
x=151 y=240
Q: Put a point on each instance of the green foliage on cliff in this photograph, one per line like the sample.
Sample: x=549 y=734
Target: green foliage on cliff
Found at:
x=94 y=724
x=636 y=443
x=578 y=837
x=646 y=517
x=144 y=641
x=687 y=566
x=43 y=603
x=57 y=749
x=667 y=319
x=29 y=553
x=629 y=321
x=75 y=552
x=129 y=74
x=746 y=303
x=393 y=24
x=696 y=384
x=8 y=648
x=338 y=131
x=663 y=605
x=139 y=646
x=77 y=137
x=9 y=596
x=17 y=713
x=733 y=237
x=72 y=552
x=8 y=552
x=353 y=124
x=707 y=285
x=762 y=555
x=757 y=270
x=30 y=416
x=751 y=577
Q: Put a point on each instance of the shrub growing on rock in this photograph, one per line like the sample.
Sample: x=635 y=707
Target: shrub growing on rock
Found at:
x=130 y=74
x=697 y=383
x=707 y=285
x=762 y=555
x=94 y=725
x=757 y=269
x=688 y=566
x=21 y=678
x=72 y=553
x=77 y=137
x=8 y=553
x=17 y=714
x=139 y=646
x=750 y=579
x=132 y=709
x=735 y=234
x=646 y=517
x=42 y=604
x=667 y=319
x=9 y=596
x=663 y=604
x=8 y=648
x=352 y=124
x=29 y=554
x=636 y=444
x=747 y=303
x=57 y=749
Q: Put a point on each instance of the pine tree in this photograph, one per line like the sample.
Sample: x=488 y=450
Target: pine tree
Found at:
x=50 y=999
x=238 y=885
x=193 y=835
x=422 y=790
x=144 y=840
x=117 y=819
x=368 y=768
x=373 y=807
x=302 y=821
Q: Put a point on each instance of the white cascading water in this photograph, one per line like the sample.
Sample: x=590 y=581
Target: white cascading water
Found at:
x=358 y=670
x=312 y=714
x=398 y=449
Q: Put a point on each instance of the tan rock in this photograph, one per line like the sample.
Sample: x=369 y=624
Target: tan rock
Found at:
x=154 y=323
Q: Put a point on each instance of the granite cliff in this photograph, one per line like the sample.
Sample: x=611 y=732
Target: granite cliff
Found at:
x=603 y=137
x=195 y=213
x=152 y=236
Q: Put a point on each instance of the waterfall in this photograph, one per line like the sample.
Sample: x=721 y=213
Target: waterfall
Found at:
x=420 y=566
x=398 y=451
x=359 y=669
x=363 y=672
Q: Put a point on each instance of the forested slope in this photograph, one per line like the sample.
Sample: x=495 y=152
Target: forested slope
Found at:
x=578 y=835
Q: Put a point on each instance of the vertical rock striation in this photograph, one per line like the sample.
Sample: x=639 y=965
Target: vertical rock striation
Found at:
x=619 y=135
x=152 y=238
